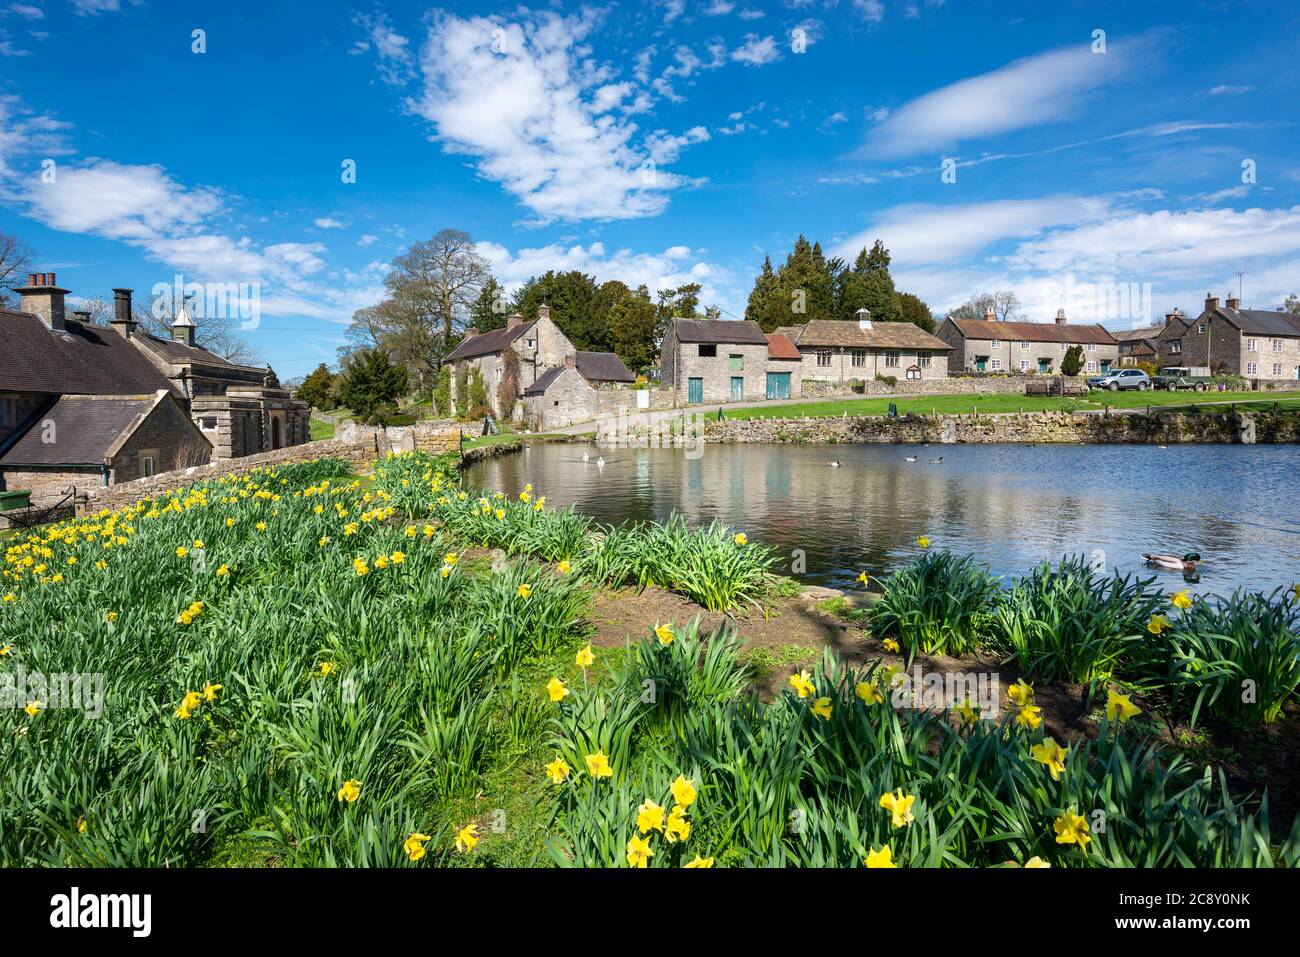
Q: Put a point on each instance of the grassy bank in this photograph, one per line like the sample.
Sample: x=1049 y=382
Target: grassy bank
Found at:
x=326 y=671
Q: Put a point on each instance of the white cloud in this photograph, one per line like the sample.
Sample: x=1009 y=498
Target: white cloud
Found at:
x=327 y=222
x=1224 y=89
x=873 y=11
x=520 y=97
x=673 y=9
x=396 y=62
x=756 y=50
x=750 y=13
x=1039 y=89
x=719 y=8
x=367 y=240
x=27 y=11
x=836 y=118
x=88 y=7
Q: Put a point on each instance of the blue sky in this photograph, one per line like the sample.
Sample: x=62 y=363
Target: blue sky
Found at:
x=657 y=142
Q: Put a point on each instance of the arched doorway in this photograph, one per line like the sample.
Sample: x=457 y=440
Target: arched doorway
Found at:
x=277 y=433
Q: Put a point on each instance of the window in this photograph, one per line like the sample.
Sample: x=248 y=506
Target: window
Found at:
x=1092 y=347
x=1092 y=365
x=8 y=412
x=1200 y=330
x=996 y=343
x=859 y=357
x=1024 y=344
x=529 y=342
x=1064 y=346
x=1277 y=368
x=1252 y=368
x=708 y=350
x=1251 y=345
x=823 y=357
x=1175 y=346
x=995 y=364
x=736 y=362
x=208 y=423
x=891 y=359
x=924 y=360
x=146 y=466
x=1024 y=365
x=1277 y=344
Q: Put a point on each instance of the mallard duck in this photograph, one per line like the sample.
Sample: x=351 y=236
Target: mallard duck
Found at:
x=911 y=458
x=1186 y=564
x=938 y=461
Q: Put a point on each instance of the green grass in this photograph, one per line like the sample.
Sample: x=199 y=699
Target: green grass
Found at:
x=506 y=436
x=320 y=429
x=991 y=403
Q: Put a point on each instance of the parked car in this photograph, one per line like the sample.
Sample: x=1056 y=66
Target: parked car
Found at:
x=1121 y=379
x=1183 y=377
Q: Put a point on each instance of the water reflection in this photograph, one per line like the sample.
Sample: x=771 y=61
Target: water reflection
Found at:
x=1011 y=505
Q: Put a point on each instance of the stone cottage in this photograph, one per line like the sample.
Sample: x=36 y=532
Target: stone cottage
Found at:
x=1260 y=345
x=568 y=394
x=720 y=360
x=836 y=351
x=517 y=354
x=990 y=345
x=1138 y=345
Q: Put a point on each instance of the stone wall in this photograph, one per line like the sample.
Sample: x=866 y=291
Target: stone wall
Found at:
x=168 y=437
x=48 y=486
x=1039 y=427
x=953 y=385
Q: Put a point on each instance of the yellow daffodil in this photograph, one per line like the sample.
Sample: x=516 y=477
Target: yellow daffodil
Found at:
x=260 y=526
x=110 y=616
x=381 y=562
x=822 y=708
x=223 y=571
x=802 y=684
x=598 y=765
x=1051 y=754
x=81 y=825
x=899 y=806
x=8 y=648
x=524 y=590
x=665 y=634
x=741 y=539
x=1071 y=828
x=1158 y=624
x=563 y=566
x=360 y=567
x=585 y=657
x=445 y=571
x=638 y=852
x=467 y=838
x=1020 y=693
x=966 y=709
x=210 y=691
x=868 y=692
x=10 y=598
x=558 y=770
x=683 y=791
x=1028 y=717
x=677 y=828
x=451 y=558
x=181 y=551
x=700 y=862
x=864 y=578
x=33 y=708
x=325 y=668
x=923 y=542
x=556 y=689
x=881 y=859
x=414 y=846
x=890 y=645
x=501 y=513
x=397 y=558
x=1120 y=708
x=1181 y=600
x=350 y=791
x=649 y=817
x=1036 y=863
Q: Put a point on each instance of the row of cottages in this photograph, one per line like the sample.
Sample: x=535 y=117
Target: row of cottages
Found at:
x=835 y=351
x=1257 y=344
x=727 y=360
x=84 y=405
x=991 y=345
x=532 y=374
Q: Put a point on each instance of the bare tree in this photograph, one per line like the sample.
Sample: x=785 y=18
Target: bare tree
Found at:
x=437 y=282
x=15 y=260
x=1005 y=305
x=217 y=334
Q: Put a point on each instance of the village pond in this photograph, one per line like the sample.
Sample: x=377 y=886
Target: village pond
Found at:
x=1011 y=506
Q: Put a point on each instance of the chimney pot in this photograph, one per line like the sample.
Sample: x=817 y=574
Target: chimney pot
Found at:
x=570 y=362
x=543 y=311
x=1060 y=317
x=49 y=279
x=123 y=321
x=31 y=279
x=516 y=319
x=43 y=299
x=988 y=314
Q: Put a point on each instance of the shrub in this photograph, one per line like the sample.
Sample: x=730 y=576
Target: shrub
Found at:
x=936 y=604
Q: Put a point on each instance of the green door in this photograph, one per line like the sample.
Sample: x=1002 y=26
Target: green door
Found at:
x=737 y=388
x=1105 y=366
x=1044 y=366
x=694 y=390
x=778 y=385
x=981 y=363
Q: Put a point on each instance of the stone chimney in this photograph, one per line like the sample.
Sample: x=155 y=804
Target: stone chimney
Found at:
x=988 y=313
x=1060 y=317
x=183 y=326
x=1211 y=302
x=123 y=322
x=864 y=318
x=515 y=320
x=82 y=316
x=570 y=362
x=1233 y=303
x=543 y=311
x=1172 y=315
x=43 y=298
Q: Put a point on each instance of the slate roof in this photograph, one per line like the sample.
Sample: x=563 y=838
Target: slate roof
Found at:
x=603 y=367
x=84 y=429
x=1262 y=322
x=1147 y=332
x=544 y=381
x=882 y=335
x=179 y=352
x=780 y=346
x=1033 y=331
x=85 y=360
x=487 y=343
x=731 y=331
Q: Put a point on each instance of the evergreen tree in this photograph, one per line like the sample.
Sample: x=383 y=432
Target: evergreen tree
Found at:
x=632 y=324
x=767 y=305
x=317 y=389
x=806 y=284
x=912 y=309
x=491 y=308
x=371 y=383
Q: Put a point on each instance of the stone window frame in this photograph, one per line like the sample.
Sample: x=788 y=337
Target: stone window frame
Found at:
x=892 y=358
x=1277 y=369
x=995 y=344
x=1276 y=344
x=1252 y=345
x=1092 y=347
x=707 y=350
x=1252 y=368
x=823 y=358
x=1024 y=365
x=1200 y=329
x=858 y=358
x=150 y=456
x=1176 y=347
x=995 y=364
x=735 y=362
x=1024 y=343
x=924 y=359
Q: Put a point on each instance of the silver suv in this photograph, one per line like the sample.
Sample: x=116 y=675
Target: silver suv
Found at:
x=1121 y=379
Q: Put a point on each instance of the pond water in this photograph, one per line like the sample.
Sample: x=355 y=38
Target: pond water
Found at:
x=1010 y=505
